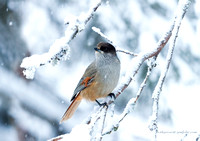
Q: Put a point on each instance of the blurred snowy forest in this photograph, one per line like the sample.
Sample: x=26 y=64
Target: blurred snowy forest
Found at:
x=30 y=110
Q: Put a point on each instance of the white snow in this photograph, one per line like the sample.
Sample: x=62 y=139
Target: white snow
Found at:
x=79 y=132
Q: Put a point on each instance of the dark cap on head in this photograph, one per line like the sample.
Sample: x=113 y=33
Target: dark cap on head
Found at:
x=106 y=47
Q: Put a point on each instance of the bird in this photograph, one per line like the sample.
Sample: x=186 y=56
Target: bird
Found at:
x=99 y=79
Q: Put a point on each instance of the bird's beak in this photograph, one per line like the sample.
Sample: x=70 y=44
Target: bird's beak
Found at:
x=98 y=50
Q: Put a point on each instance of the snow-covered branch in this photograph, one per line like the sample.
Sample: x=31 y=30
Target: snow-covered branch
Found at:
x=60 y=49
x=181 y=10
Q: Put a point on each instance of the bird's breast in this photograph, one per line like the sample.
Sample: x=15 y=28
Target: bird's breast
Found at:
x=104 y=82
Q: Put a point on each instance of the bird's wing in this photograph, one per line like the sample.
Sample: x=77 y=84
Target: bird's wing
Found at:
x=86 y=79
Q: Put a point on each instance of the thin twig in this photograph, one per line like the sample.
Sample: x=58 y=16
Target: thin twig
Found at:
x=98 y=31
x=127 y=52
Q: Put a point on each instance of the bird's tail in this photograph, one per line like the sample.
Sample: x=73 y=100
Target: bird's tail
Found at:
x=72 y=108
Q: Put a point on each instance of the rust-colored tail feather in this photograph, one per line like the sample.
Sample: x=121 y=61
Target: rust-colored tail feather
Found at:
x=72 y=108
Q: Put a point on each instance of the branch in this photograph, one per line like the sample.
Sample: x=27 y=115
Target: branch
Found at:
x=182 y=9
x=60 y=49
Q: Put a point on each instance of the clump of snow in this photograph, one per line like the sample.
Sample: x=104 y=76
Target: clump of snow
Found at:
x=57 y=52
x=29 y=72
x=96 y=30
x=152 y=122
x=79 y=132
x=30 y=64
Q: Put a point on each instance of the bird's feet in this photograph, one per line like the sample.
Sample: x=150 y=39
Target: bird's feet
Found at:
x=112 y=95
x=101 y=104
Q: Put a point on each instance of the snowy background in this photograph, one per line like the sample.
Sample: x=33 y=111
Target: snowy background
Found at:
x=30 y=110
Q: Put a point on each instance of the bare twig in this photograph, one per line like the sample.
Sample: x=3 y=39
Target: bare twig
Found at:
x=156 y=94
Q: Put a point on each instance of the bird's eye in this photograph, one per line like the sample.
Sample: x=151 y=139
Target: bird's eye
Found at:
x=104 y=49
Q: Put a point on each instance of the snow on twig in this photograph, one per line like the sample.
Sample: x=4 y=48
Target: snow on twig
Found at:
x=97 y=30
x=181 y=10
x=60 y=49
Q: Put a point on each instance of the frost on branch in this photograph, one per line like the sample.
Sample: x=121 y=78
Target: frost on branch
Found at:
x=60 y=50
